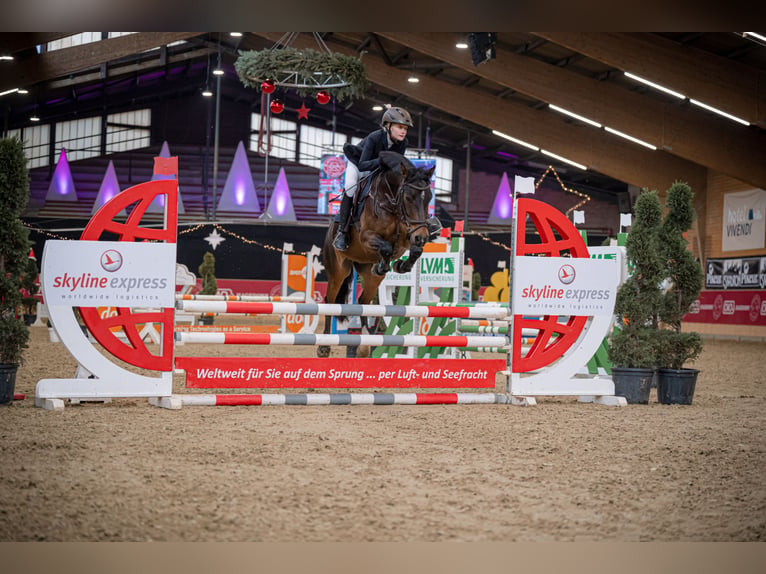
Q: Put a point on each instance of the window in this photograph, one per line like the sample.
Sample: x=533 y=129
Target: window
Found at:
x=80 y=138
x=316 y=142
x=282 y=137
x=36 y=140
x=128 y=130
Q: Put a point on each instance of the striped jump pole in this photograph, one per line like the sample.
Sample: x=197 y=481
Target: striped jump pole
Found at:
x=351 y=340
x=457 y=312
x=483 y=330
x=295 y=297
x=308 y=399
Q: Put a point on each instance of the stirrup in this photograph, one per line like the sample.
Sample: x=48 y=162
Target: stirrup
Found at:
x=341 y=241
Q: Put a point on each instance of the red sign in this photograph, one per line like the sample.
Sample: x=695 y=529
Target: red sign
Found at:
x=729 y=307
x=338 y=373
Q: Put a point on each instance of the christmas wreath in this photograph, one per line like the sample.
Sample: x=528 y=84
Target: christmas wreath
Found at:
x=304 y=70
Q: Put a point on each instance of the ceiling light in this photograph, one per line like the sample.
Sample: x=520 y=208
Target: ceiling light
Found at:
x=755 y=35
x=235 y=34
x=461 y=46
x=11 y=91
x=514 y=140
x=413 y=80
x=23 y=91
x=34 y=118
x=9 y=58
x=207 y=93
x=656 y=86
x=565 y=160
x=377 y=108
x=574 y=115
x=720 y=112
x=630 y=138
x=218 y=72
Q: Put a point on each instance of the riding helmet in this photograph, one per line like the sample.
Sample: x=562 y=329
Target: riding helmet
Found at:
x=397 y=116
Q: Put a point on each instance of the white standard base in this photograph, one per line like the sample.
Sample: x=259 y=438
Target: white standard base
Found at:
x=611 y=401
x=174 y=402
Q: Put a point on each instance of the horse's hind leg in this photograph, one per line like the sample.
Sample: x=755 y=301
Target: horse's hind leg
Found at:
x=370 y=290
x=338 y=271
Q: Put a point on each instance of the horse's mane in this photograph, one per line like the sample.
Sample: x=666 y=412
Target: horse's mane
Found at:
x=392 y=161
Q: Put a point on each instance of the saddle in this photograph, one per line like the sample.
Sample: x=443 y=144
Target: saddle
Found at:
x=364 y=183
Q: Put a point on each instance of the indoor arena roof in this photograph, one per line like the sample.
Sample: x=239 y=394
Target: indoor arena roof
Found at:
x=558 y=95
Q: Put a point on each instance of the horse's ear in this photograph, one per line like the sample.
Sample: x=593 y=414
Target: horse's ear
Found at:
x=430 y=172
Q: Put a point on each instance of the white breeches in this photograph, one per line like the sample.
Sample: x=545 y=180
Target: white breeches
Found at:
x=352 y=178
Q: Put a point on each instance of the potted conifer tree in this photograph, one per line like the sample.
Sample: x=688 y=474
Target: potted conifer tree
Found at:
x=14 y=247
x=683 y=282
x=632 y=349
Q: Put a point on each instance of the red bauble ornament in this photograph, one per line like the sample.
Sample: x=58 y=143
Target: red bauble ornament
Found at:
x=277 y=107
x=323 y=97
x=267 y=86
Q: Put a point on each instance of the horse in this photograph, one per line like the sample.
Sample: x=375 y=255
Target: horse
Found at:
x=394 y=218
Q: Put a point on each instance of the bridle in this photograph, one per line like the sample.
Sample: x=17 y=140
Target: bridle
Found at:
x=397 y=207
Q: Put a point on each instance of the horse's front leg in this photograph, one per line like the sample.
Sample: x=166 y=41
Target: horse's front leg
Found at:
x=385 y=251
x=405 y=265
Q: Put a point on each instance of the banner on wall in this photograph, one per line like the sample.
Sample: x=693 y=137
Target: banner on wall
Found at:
x=332 y=177
x=736 y=273
x=746 y=308
x=743 y=220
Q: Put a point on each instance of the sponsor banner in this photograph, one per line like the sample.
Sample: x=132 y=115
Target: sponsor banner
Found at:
x=109 y=273
x=564 y=285
x=743 y=220
x=332 y=177
x=339 y=373
x=226 y=328
x=439 y=269
x=736 y=273
x=730 y=308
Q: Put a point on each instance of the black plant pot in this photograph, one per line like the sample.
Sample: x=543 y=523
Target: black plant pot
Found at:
x=676 y=386
x=7 y=382
x=632 y=383
x=206 y=319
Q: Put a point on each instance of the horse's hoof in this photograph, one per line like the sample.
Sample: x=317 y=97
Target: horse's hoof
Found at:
x=323 y=351
x=363 y=351
x=381 y=269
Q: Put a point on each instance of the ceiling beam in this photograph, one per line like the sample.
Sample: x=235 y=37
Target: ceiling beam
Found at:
x=50 y=65
x=688 y=132
x=597 y=150
x=720 y=82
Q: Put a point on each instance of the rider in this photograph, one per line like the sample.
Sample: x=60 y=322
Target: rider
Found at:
x=363 y=157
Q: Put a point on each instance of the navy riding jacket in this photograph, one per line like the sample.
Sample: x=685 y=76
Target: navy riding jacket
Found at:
x=365 y=154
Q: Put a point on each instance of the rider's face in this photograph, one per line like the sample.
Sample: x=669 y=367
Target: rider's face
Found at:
x=398 y=132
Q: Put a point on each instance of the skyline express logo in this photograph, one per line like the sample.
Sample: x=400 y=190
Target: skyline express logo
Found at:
x=566 y=274
x=111 y=261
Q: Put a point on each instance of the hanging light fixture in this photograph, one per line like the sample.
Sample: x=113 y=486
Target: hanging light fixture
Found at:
x=207 y=92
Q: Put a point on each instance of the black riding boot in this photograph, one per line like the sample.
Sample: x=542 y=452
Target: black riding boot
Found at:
x=341 y=238
x=434 y=228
